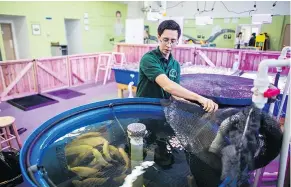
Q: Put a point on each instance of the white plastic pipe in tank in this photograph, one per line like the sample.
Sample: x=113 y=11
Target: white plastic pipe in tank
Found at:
x=287 y=87
x=284 y=52
x=136 y=133
x=285 y=146
x=130 y=89
x=261 y=84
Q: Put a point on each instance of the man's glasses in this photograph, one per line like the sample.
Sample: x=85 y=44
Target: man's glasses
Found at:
x=167 y=41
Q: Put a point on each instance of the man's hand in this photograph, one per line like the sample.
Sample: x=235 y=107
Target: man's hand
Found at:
x=176 y=90
x=208 y=104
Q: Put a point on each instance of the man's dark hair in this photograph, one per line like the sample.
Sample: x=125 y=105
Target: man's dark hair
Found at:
x=118 y=12
x=169 y=25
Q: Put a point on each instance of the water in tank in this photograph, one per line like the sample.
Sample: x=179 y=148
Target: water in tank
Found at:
x=99 y=154
x=90 y=145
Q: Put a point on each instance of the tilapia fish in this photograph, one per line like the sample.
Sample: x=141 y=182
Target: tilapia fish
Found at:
x=90 y=182
x=92 y=141
x=83 y=171
x=99 y=160
x=106 y=152
x=125 y=157
x=71 y=150
x=115 y=153
x=88 y=135
x=81 y=158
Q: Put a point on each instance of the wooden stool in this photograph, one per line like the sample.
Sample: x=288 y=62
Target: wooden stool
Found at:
x=5 y=136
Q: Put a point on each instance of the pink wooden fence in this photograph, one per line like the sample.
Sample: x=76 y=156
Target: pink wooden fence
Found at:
x=27 y=77
x=183 y=54
x=249 y=60
x=83 y=69
x=52 y=73
x=219 y=57
x=17 y=79
x=137 y=50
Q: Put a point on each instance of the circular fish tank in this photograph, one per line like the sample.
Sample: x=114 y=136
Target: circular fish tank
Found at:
x=55 y=154
x=89 y=145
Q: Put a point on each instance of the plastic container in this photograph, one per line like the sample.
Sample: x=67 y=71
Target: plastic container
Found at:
x=125 y=76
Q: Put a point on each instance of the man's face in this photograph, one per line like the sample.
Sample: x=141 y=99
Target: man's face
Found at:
x=168 y=40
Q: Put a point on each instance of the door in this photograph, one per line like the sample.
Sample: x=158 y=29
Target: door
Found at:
x=286 y=39
x=8 y=41
x=73 y=36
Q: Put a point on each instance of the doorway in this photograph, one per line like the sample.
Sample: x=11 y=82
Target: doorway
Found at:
x=247 y=30
x=20 y=38
x=8 y=41
x=73 y=36
x=286 y=38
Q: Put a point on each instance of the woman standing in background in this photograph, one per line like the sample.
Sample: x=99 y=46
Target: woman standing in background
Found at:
x=252 y=41
x=267 y=42
x=238 y=40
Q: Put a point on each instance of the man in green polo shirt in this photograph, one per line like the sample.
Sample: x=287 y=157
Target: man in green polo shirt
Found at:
x=159 y=72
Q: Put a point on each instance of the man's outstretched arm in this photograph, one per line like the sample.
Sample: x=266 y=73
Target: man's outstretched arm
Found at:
x=176 y=90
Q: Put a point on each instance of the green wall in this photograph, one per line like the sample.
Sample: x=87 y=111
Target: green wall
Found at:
x=275 y=30
x=101 y=23
x=286 y=21
x=2 y=47
x=190 y=28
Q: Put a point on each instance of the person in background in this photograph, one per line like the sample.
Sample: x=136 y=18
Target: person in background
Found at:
x=146 y=37
x=252 y=40
x=267 y=42
x=159 y=72
x=238 y=40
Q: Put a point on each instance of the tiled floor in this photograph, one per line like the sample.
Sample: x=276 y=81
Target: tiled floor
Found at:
x=34 y=118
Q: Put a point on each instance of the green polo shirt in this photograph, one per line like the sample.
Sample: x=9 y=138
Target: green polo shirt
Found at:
x=152 y=65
